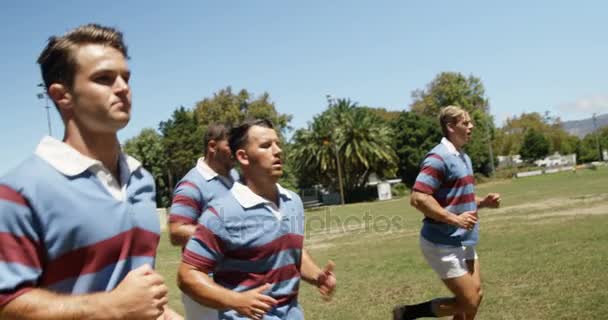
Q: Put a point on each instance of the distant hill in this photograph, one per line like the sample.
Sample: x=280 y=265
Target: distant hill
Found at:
x=583 y=127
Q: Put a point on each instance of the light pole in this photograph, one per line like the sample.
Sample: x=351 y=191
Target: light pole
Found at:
x=330 y=102
x=44 y=95
x=488 y=132
x=597 y=139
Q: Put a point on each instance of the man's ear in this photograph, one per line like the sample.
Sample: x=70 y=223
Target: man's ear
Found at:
x=241 y=157
x=62 y=97
x=450 y=126
x=212 y=146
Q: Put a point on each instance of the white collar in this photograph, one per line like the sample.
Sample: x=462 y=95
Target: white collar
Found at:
x=69 y=161
x=248 y=199
x=205 y=170
x=450 y=146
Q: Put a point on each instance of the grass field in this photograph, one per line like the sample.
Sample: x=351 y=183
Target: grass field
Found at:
x=544 y=254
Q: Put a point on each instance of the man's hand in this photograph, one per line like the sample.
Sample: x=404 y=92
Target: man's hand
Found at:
x=326 y=281
x=170 y=314
x=253 y=303
x=142 y=294
x=466 y=220
x=492 y=200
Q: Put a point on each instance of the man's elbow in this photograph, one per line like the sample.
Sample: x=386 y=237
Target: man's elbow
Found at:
x=183 y=277
x=174 y=238
x=416 y=199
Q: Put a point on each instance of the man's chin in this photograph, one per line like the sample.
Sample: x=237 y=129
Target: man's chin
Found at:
x=121 y=124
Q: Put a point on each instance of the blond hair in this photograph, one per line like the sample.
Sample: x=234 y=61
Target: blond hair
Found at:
x=450 y=115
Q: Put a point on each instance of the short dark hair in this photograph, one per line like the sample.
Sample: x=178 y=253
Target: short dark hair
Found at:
x=58 y=60
x=215 y=132
x=239 y=134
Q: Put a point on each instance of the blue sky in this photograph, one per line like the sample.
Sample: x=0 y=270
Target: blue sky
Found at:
x=530 y=55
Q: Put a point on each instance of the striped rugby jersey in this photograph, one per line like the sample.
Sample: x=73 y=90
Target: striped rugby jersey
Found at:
x=246 y=241
x=447 y=175
x=68 y=233
x=194 y=191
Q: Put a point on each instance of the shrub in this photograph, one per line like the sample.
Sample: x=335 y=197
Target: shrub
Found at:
x=399 y=190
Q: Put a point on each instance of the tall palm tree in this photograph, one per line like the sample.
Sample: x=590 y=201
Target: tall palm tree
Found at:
x=355 y=136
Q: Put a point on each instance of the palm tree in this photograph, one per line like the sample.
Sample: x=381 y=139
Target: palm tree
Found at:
x=355 y=136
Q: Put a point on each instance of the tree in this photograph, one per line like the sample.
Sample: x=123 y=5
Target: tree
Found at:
x=356 y=136
x=451 y=88
x=535 y=146
x=415 y=135
x=147 y=147
x=587 y=149
x=382 y=113
x=182 y=142
x=510 y=137
x=229 y=108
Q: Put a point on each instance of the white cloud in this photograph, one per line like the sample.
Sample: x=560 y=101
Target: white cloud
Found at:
x=589 y=104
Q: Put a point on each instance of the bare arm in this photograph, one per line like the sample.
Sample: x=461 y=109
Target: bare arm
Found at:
x=180 y=233
x=45 y=305
x=426 y=204
x=141 y=295
x=492 y=200
x=324 y=279
x=200 y=287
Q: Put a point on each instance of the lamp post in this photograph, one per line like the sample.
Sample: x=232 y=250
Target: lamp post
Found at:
x=44 y=95
x=597 y=138
x=490 y=151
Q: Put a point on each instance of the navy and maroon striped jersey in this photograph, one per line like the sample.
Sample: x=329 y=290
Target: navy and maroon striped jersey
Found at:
x=447 y=175
x=68 y=234
x=194 y=191
x=246 y=243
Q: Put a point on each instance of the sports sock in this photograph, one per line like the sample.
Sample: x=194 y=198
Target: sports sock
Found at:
x=415 y=311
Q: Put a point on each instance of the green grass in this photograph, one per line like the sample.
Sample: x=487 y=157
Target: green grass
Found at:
x=543 y=255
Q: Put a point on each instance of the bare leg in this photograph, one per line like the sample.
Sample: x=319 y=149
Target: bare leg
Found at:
x=467 y=295
x=473 y=266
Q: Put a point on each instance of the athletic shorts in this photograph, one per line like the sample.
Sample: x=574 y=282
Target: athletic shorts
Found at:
x=447 y=261
x=196 y=311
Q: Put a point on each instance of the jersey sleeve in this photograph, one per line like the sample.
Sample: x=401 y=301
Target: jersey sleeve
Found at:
x=21 y=254
x=431 y=176
x=187 y=203
x=207 y=246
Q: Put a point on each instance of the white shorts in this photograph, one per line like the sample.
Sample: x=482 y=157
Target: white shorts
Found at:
x=447 y=261
x=196 y=311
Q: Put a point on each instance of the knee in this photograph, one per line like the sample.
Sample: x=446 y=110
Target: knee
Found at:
x=470 y=304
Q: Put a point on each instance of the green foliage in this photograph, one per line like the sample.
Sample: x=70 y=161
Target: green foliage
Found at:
x=385 y=115
x=451 y=88
x=182 y=141
x=587 y=149
x=359 y=138
x=535 y=146
x=289 y=179
x=415 y=135
x=229 y=108
x=399 y=190
x=147 y=147
x=510 y=137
